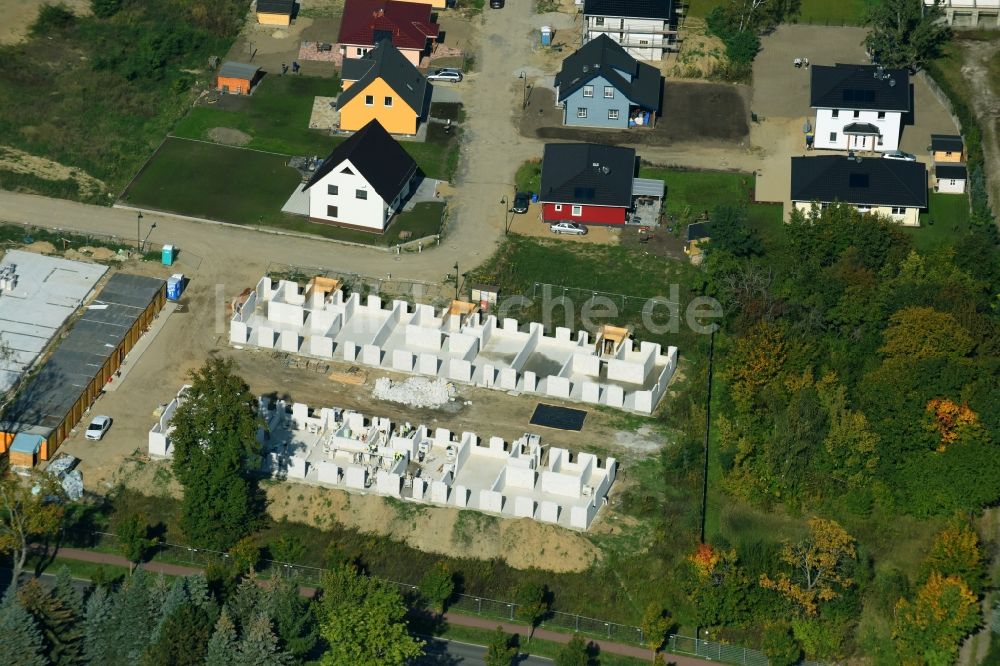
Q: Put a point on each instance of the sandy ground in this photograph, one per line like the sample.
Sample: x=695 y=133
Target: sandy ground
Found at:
x=22 y=162
x=978 y=54
x=18 y=15
x=229 y=136
x=700 y=53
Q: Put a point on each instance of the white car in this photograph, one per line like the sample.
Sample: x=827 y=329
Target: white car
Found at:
x=568 y=228
x=448 y=75
x=98 y=427
x=899 y=155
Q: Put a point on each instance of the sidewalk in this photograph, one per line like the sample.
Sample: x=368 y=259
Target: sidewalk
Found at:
x=476 y=622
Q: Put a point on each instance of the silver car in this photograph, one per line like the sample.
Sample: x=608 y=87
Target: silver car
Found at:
x=447 y=75
x=899 y=155
x=568 y=228
x=97 y=428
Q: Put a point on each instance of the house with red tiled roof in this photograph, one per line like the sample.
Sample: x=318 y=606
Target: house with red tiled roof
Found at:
x=407 y=25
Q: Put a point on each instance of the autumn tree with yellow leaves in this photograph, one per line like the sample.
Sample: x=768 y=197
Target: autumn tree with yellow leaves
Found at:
x=929 y=629
x=820 y=566
x=951 y=420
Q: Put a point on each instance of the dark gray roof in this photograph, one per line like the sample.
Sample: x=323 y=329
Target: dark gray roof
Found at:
x=873 y=182
x=275 y=6
x=697 y=231
x=238 y=70
x=588 y=174
x=663 y=9
x=860 y=87
x=102 y=326
x=605 y=57
x=386 y=62
x=946 y=143
x=950 y=171
x=861 y=128
x=377 y=156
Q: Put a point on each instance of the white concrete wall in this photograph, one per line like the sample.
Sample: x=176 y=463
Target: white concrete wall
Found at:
x=909 y=218
x=826 y=124
x=370 y=213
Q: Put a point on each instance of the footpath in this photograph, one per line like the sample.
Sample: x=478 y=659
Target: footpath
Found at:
x=456 y=619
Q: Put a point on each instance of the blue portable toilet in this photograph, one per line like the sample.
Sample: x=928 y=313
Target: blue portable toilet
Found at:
x=534 y=197
x=546 y=35
x=175 y=285
x=167 y=256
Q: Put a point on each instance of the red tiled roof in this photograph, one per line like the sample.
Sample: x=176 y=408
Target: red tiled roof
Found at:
x=408 y=22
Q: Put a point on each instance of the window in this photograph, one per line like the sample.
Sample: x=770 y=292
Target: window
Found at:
x=609 y=92
x=588 y=91
x=599 y=20
x=879 y=141
x=360 y=52
x=581 y=112
x=369 y=100
x=951 y=182
x=331 y=211
x=387 y=101
x=361 y=194
x=331 y=190
x=833 y=136
x=612 y=114
x=835 y=113
x=857 y=114
x=558 y=207
x=898 y=210
x=948 y=154
x=881 y=115
x=577 y=211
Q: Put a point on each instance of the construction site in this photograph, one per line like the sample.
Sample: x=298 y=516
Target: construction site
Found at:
x=348 y=450
x=460 y=343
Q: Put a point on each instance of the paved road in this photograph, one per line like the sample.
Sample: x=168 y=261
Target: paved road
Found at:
x=441 y=652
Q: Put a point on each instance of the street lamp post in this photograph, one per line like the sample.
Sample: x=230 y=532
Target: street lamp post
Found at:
x=138 y=232
x=524 y=90
x=456 y=280
x=506 y=226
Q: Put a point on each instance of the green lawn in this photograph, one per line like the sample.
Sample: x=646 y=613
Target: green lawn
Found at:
x=183 y=177
x=946 y=219
x=529 y=176
x=832 y=12
x=276 y=117
x=691 y=192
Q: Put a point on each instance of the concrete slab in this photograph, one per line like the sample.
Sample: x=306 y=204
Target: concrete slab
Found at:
x=298 y=203
x=426 y=191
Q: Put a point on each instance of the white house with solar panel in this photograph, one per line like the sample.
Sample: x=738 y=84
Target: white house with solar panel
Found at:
x=859 y=107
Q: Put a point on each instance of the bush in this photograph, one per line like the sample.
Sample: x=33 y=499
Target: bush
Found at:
x=105 y=8
x=52 y=18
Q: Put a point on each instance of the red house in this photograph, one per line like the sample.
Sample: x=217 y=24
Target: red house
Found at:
x=407 y=25
x=587 y=183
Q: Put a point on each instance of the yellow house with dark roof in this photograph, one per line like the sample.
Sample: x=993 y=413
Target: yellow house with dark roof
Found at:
x=384 y=86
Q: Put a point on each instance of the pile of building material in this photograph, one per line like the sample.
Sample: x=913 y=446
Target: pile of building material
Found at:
x=415 y=391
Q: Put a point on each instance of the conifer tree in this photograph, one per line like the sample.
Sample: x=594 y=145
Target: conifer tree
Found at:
x=23 y=644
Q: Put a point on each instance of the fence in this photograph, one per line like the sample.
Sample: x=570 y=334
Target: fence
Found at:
x=469 y=604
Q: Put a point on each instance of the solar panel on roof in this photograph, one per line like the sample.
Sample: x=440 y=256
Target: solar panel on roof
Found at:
x=857 y=180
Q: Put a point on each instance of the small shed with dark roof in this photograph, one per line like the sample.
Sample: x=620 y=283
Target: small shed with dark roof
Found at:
x=237 y=78
x=947 y=148
x=950 y=178
x=275 y=12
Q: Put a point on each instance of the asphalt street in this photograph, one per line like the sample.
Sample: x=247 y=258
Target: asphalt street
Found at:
x=442 y=652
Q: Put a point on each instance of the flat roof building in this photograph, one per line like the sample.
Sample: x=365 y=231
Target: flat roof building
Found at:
x=74 y=376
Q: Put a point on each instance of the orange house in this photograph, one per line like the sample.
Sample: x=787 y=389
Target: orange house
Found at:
x=947 y=148
x=384 y=86
x=58 y=397
x=237 y=78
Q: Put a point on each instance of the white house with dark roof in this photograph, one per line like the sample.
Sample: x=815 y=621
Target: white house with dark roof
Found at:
x=892 y=188
x=363 y=182
x=859 y=107
x=950 y=178
x=601 y=85
x=647 y=29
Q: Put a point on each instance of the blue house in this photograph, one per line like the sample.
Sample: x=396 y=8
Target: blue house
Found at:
x=603 y=86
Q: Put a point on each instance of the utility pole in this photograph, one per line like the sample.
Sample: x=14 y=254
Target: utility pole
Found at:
x=708 y=429
x=138 y=232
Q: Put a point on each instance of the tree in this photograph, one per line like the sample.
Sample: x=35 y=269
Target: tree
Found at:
x=574 y=653
x=905 y=33
x=293 y=617
x=259 y=646
x=99 y=617
x=26 y=514
x=850 y=443
x=929 y=629
x=780 y=645
x=52 y=18
x=956 y=552
x=820 y=566
x=952 y=421
x=919 y=332
x=363 y=622
x=133 y=539
x=58 y=618
x=182 y=639
x=730 y=233
x=532 y=604
x=223 y=647
x=437 y=586
x=23 y=644
x=244 y=556
x=756 y=359
x=217 y=457
x=105 y=8
x=499 y=652
x=287 y=548
x=655 y=624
